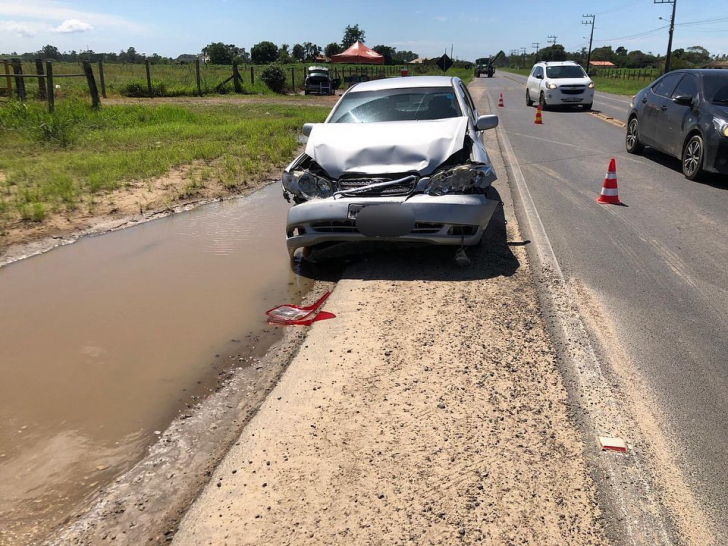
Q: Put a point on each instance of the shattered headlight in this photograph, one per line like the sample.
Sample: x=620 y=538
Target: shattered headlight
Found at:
x=307 y=185
x=457 y=180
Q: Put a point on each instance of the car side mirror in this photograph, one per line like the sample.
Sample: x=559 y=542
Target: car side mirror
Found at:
x=539 y=76
x=307 y=129
x=683 y=100
x=487 y=122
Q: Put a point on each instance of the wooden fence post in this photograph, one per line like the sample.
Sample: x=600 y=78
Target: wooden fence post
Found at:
x=95 y=103
x=101 y=78
x=197 y=74
x=19 y=83
x=236 y=78
x=293 y=81
x=252 y=76
x=149 y=78
x=41 y=79
x=51 y=88
x=8 y=80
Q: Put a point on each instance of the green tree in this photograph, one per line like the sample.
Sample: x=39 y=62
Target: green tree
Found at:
x=697 y=56
x=219 y=53
x=298 y=53
x=603 y=54
x=386 y=52
x=284 y=56
x=264 y=53
x=552 y=53
x=332 y=49
x=50 y=52
x=352 y=34
x=310 y=51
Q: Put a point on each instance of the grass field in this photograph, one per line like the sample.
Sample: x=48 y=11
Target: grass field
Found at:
x=180 y=80
x=60 y=162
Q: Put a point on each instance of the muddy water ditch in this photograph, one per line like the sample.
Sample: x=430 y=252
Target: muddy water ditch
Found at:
x=103 y=342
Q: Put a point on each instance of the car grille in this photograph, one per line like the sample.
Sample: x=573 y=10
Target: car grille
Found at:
x=572 y=90
x=348 y=226
x=398 y=189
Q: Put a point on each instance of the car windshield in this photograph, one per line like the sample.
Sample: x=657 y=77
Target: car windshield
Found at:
x=716 y=88
x=557 y=72
x=425 y=103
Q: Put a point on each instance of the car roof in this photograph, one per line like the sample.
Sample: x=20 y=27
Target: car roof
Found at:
x=404 y=83
x=699 y=71
x=556 y=63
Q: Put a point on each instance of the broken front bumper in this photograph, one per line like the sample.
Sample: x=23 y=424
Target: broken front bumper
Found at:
x=443 y=220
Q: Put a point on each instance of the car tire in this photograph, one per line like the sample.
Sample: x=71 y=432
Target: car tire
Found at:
x=692 y=158
x=542 y=101
x=632 y=140
x=529 y=101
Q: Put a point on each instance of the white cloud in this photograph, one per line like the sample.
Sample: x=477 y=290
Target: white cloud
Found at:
x=19 y=29
x=44 y=10
x=72 y=25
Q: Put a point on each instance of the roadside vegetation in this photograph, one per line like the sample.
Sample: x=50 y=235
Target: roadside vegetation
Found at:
x=62 y=162
x=606 y=84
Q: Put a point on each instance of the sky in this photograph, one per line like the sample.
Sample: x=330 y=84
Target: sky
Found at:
x=469 y=29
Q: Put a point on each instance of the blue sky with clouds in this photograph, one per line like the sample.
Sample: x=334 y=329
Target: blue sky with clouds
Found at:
x=471 y=28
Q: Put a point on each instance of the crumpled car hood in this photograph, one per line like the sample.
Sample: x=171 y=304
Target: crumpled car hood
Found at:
x=387 y=147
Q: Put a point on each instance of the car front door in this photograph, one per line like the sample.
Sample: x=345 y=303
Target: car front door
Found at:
x=655 y=102
x=674 y=120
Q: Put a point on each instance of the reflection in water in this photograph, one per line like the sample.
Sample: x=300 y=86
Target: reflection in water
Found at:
x=103 y=341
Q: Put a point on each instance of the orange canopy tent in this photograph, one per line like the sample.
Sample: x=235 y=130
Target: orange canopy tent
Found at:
x=358 y=53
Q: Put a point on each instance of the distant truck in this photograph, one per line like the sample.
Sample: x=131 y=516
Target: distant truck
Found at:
x=486 y=65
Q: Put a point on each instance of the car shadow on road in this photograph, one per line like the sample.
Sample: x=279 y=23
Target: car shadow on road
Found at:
x=397 y=261
x=718 y=181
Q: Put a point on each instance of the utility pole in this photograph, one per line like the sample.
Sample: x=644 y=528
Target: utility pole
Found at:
x=523 y=55
x=552 y=40
x=591 y=37
x=672 y=27
x=535 y=56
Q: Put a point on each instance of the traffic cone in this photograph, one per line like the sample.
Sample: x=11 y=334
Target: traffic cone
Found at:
x=500 y=101
x=538 y=120
x=609 y=195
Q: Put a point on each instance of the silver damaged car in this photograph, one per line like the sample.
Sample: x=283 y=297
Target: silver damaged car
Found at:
x=399 y=159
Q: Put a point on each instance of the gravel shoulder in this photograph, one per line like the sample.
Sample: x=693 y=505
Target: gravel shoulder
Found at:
x=431 y=410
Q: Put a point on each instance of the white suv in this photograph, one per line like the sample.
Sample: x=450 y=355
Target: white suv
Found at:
x=557 y=83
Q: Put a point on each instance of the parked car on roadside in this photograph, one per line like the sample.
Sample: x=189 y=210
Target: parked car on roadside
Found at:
x=318 y=81
x=398 y=159
x=557 y=83
x=684 y=114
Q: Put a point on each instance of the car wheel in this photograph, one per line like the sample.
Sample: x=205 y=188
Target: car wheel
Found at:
x=542 y=101
x=632 y=140
x=692 y=158
x=529 y=101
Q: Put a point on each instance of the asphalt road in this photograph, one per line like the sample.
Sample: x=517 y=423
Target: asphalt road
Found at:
x=656 y=269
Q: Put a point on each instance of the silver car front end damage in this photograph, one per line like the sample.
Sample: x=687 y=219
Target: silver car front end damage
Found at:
x=443 y=219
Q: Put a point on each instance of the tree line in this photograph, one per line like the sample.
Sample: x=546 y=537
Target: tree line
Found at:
x=691 y=57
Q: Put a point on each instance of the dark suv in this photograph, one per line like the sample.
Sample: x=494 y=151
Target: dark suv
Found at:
x=685 y=114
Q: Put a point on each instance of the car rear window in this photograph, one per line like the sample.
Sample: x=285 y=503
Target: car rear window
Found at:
x=716 y=88
x=558 y=72
x=426 y=103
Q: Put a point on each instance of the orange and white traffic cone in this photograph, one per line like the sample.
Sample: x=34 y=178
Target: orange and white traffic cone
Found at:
x=610 y=194
x=500 y=101
x=538 y=120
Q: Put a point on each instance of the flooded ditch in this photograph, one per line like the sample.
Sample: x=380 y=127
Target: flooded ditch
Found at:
x=103 y=342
